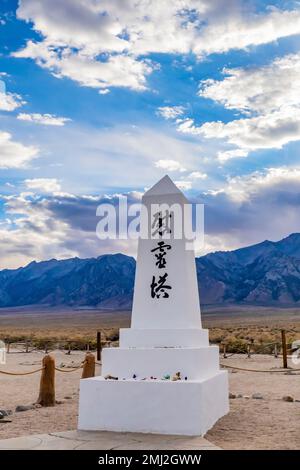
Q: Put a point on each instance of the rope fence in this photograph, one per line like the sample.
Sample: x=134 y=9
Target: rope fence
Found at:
x=21 y=373
x=247 y=349
x=46 y=346
x=260 y=370
x=58 y=369
x=70 y=370
x=279 y=349
x=47 y=381
x=48 y=368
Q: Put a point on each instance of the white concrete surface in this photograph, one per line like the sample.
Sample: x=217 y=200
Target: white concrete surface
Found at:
x=182 y=309
x=165 y=337
x=184 y=408
x=102 y=440
x=193 y=363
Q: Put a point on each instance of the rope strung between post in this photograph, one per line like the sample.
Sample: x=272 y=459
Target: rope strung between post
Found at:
x=70 y=370
x=243 y=351
x=21 y=373
x=259 y=370
x=292 y=331
x=39 y=370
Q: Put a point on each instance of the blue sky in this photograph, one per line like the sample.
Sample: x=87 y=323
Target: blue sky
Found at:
x=103 y=97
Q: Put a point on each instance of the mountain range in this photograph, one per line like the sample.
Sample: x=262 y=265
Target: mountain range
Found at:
x=267 y=273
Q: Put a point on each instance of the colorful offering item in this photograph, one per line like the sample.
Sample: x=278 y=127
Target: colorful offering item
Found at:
x=176 y=377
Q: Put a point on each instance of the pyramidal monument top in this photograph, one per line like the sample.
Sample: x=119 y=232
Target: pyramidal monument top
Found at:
x=163 y=187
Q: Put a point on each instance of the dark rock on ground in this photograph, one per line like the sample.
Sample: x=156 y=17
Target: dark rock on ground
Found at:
x=20 y=408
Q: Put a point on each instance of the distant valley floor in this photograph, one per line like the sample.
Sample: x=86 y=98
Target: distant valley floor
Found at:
x=239 y=322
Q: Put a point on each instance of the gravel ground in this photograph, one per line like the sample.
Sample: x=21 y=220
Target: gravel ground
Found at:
x=267 y=423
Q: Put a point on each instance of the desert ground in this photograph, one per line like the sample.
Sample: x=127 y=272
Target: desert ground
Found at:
x=267 y=422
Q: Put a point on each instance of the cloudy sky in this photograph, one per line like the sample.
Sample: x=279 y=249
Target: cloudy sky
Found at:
x=104 y=97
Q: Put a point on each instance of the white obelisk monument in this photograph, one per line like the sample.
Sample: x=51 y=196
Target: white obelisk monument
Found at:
x=165 y=341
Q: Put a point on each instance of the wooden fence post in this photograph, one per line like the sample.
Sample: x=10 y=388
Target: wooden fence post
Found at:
x=47 y=383
x=248 y=350
x=224 y=351
x=88 y=366
x=284 y=350
x=99 y=346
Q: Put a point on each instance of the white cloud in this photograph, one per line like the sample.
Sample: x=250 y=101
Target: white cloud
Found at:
x=240 y=31
x=261 y=90
x=187 y=126
x=104 y=91
x=122 y=71
x=116 y=70
x=31 y=232
x=248 y=187
x=45 y=119
x=198 y=175
x=14 y=154
x=40 y=227
x=43 y=185
x=170 y=112
x=272 y=130
x=252 y=208
x=104 y=44
x=225 y=155
x=268 y=95
x=169 y=165
x=10 y=101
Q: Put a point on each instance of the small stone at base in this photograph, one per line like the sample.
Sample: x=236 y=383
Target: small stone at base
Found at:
x=257 y=396
x=24 y=408
x=288 y=398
